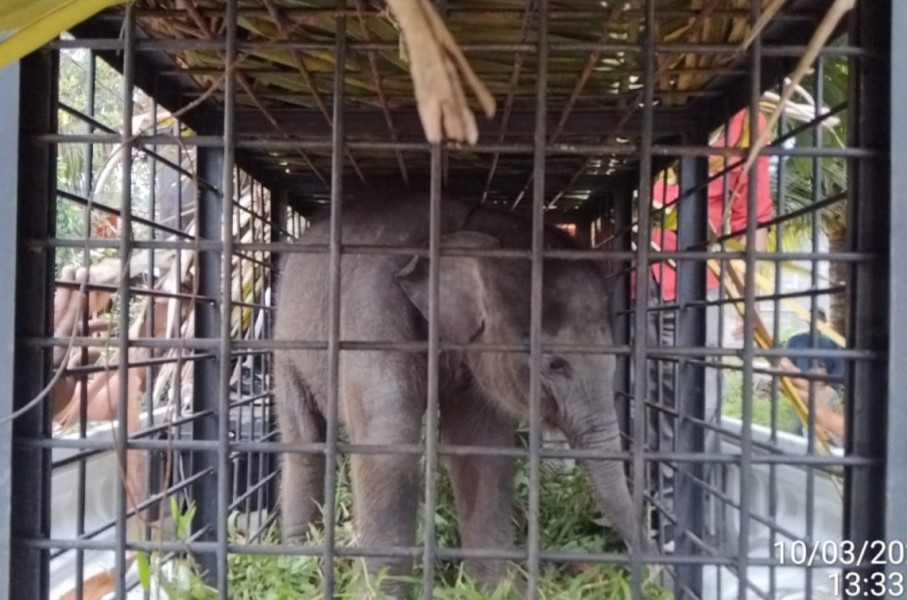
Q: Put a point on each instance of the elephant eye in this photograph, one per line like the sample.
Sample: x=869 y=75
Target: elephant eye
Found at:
x=558 y=364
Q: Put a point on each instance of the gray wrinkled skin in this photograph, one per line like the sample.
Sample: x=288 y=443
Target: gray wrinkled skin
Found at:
x=382 y=395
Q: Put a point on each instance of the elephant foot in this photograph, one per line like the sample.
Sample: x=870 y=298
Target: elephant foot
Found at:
x=506 y=583
x=382 y=582
x=296 y=535
x=436 y=64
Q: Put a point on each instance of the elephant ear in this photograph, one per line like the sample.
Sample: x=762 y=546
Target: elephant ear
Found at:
x=462 y=309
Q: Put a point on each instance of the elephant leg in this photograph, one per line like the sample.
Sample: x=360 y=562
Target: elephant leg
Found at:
x=482 y=485
x=302 y=475
x=386 y=487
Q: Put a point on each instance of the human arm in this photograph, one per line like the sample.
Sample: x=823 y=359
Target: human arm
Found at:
x=826 y=418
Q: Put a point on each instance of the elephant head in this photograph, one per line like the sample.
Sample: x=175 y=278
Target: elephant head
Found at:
x=487 y=301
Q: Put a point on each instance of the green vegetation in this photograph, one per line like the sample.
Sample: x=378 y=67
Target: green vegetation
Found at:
x=570 y=521
x=762 y=402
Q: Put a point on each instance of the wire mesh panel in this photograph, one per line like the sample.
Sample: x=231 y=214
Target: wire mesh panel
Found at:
x=629 y=343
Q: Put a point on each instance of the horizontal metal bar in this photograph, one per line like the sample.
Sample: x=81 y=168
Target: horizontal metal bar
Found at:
x=415 y=346
x=451 y=450
x=408 y=125
x=213 y=44
x=602 y=255
x=628 y=149
x=355 y=551
x=455 y=13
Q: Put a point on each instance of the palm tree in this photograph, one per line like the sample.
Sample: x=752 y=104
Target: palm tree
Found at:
x=808 y=180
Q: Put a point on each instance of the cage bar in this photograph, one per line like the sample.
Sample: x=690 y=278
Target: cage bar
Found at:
x=606 y=131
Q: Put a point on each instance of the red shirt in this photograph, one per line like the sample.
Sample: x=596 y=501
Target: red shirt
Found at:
x=667 y=239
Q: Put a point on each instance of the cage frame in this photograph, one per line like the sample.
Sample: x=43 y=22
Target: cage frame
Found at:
x=28 y=165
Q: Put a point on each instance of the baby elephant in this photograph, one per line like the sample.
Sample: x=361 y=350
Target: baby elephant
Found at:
x=483 y=395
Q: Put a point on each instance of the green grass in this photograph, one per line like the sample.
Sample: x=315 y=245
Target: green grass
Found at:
x=570 y=521
x=762 y=402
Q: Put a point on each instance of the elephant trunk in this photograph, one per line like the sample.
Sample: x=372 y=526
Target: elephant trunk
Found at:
x=608 y=479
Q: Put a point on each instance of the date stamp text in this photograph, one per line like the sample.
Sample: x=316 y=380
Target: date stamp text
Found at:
x=842 y=553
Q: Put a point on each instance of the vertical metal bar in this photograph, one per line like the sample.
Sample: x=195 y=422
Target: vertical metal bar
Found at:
x=125 y=250
x=337 y=149
x=279 y=207
x=896 y=444
x=244 y=457
x=88 y=174
x=150 y=482
x=874 y=418
x=432 y=414
x=623 y=217
x=205 y=372
x=749 y=294
x=817 y=194
x=776 y=334
x=178 y=268
x=35 y=165
x=9 y=188
x=640 y=342
x=89 y=110
x=226 y=303
x=692 y=228
x=535 y=319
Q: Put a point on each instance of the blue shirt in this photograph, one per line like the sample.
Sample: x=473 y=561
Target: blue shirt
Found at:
x=833 y=365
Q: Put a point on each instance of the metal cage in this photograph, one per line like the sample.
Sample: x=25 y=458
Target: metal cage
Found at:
x=183 y=150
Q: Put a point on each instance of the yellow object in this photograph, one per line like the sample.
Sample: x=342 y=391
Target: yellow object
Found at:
x=766 y=286
x=763 y=339
x=26 y=25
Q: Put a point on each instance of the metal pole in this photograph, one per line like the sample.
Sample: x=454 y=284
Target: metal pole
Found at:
x=640 y=342
x=875 y=414
x=205 y=372
x=895 y=480
x=36 y=177
x=623 y=217
x=535 y=319
x=9 y=188
x=336 y=233
x=690 y=330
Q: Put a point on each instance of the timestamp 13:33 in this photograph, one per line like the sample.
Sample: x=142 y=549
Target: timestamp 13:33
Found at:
x=873 y=585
